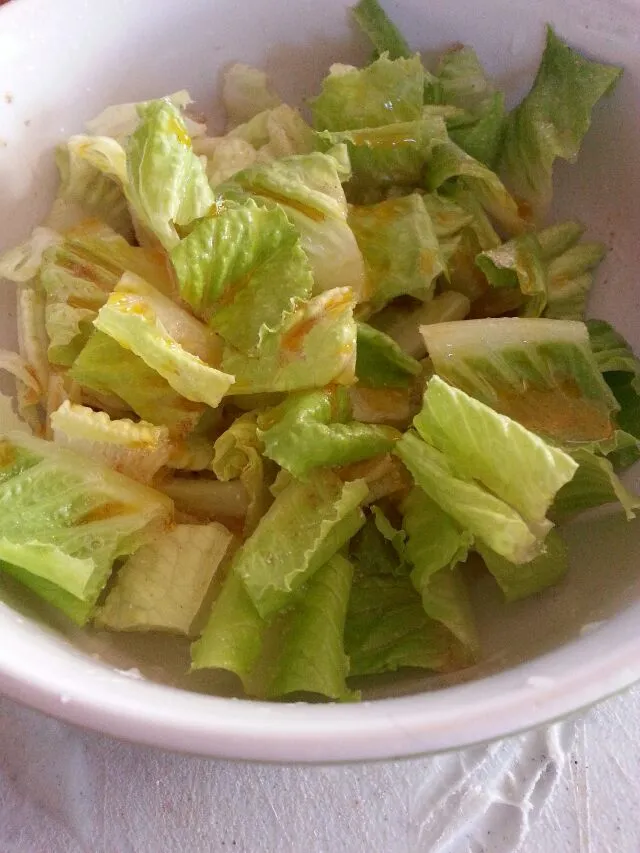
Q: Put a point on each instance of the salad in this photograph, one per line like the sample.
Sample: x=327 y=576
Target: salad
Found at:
x=278 y=388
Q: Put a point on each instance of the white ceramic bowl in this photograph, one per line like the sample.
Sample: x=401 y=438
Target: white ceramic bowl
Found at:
x=60 y=63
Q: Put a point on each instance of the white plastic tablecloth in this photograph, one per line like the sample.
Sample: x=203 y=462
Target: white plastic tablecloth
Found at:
x=574 y=787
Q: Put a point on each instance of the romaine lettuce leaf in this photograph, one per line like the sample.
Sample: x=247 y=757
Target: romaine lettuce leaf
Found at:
x=594 y=484
x=462 y=82
x=377 y=554
x=314 y=430
x=32 y=334
x=570 y=270
x=108 y=368
x=385 y=92
x=612 y=352
x=243 y=271
x=131 y=318
x=449 y=161
x=387 y=628
x=389 y=156
x=403 y=324
x=245 y=93
x=400 y=248
x=312 y=657
x=514 y=464
x=317 y=346
x=233 y=636
x=472 y=506
x=163 y=586
x=138 y=450
x=120 y=120
x=523 y=580
x=238 y=453
x=308 y=188
x=307 y=523
x=87 y=192
x=381 y=363
x=65 y=518
x=553 y=118
x=166 y=183
x=384 y=35
x=518 y=264
x=274 y=133
x=540 y=373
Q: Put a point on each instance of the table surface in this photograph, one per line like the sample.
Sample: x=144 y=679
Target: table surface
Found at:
x=572 y=787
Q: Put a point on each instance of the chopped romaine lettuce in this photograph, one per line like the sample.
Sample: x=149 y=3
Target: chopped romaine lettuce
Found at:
x=316 y=346
x=553 y=118
x=400 y=248
x=594 y=484
x=166 y=183
x=384 y=35
x=473 y=507
x=539 y=372
x=131 y=318
x=243 y=271
x=449 y=161
x=238 y=453
x=522 y=580
x=381 y=363
x=138 y=450
x=308 y=188
x=120 y=120
x=516 y=465
x=66 y=519
x=307 y=523
x=245 y=93
x=312 y=657
x=108 y=368
x=385 y=92
x=314 y=430
x=163 y=586
x=518 y=264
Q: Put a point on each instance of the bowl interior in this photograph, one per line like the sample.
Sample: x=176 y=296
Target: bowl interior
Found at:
x=61 y=63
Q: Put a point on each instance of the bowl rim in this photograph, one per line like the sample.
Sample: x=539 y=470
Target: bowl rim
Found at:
x=93 y=696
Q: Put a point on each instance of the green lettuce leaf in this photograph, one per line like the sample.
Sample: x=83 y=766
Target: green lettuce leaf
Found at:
x=400 y=248
x=612 y=352
x=243 y=271
x=387 y=628
x=384 y=35
x=273 y=133
x=312 y=657
x=313 y=430
x=402 y=324
x=462 y=82
x=381 y=363
x=233 y=636
x=376 y=553
x=86 y=192
x=388 y=156
x=385 y=92
x=523 y=580
x=449 y=161
x=540 y=372
x=303 y=528
x=473 y=507
x=245 y=93
x=316 y=347
x=167 y=185
x=130 y=317
x=77 y=276
x=162 y=587
x=138 y=450
x=308 y=188
x=553 y=118
x=238 y=453
x=120 y=120
x=518 y=264
x=594 y=484
x=108 y=368
x=514 y=464
x=66 y=518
